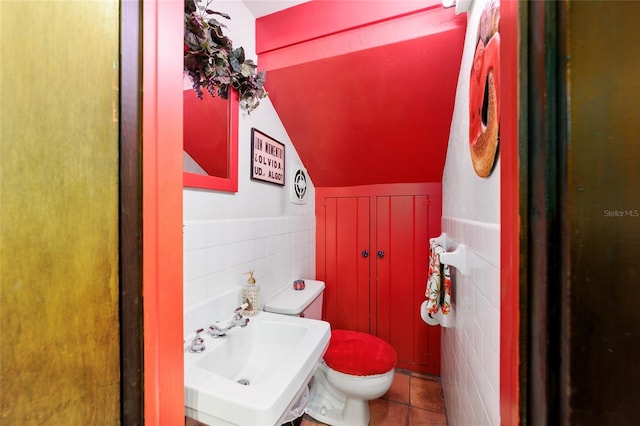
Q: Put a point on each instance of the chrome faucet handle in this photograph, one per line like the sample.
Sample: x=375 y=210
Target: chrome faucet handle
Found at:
x=220 y=329
x=197 y=344
x=245 y=305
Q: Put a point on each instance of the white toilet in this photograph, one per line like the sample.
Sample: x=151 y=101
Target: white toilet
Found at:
x=357 y=367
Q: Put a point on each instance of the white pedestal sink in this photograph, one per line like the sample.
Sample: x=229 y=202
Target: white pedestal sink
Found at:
x=253 y=375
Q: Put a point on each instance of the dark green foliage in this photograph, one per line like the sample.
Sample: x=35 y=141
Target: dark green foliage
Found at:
x=211 y=61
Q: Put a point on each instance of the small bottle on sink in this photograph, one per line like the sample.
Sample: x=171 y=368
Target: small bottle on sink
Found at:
x=251 y=296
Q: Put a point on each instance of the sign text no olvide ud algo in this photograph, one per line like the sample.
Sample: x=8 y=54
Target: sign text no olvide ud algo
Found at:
x=267 y=158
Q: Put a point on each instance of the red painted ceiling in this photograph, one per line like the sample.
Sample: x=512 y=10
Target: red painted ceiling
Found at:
x=366 y=99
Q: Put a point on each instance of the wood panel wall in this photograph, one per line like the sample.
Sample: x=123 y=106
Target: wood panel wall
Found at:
x=583 y=247
x=603 y=209
x=59 y=213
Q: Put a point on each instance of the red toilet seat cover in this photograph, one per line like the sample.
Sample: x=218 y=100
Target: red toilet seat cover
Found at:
x=359 y=354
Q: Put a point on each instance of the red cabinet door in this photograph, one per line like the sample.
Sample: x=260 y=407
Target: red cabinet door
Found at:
x=402 y=249
x=372 y=254
x=347 y=266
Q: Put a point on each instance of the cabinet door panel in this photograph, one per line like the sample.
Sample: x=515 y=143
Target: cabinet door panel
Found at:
x=382 y=292
x=346 y=270
x=402 y=224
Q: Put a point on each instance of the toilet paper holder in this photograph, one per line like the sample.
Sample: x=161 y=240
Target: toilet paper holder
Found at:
x=456 y=258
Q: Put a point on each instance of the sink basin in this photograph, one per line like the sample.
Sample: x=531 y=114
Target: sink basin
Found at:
x=253 y=354
x=254 y=374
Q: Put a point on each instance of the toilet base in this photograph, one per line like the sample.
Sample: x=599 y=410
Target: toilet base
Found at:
x=352 y=410
x=329 y=405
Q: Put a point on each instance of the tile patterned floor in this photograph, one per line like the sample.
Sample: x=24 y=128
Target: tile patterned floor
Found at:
x=413 y=400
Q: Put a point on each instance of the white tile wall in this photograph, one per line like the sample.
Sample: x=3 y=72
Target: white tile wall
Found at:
x=471 y=348
x=218 y=252
x=470 y=367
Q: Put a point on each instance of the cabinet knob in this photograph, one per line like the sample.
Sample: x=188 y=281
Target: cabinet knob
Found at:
x=365 y=253
x=380 y=254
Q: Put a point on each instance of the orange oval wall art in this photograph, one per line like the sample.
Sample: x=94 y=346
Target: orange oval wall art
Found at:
x=484 y=91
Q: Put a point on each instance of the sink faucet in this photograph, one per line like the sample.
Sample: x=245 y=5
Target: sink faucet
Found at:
x=197 y=344
x=219 y=329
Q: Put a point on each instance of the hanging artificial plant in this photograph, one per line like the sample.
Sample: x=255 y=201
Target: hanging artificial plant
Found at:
x=211 y=61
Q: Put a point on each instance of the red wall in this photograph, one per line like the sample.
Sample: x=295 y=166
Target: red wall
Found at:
x=328 y=17
x=365 y=89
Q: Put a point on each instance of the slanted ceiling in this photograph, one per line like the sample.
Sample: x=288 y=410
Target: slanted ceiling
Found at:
x=364 y=89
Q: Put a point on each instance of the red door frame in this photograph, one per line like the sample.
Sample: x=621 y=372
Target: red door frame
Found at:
x=162 y=212
x=510 y=216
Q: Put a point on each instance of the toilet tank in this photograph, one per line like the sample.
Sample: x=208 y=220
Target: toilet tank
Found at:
x=302 y=303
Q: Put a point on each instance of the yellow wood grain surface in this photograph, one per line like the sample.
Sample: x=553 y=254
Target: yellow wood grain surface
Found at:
x=59 y=213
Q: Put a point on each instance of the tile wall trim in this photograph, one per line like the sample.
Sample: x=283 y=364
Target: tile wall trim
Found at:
x=481 y=237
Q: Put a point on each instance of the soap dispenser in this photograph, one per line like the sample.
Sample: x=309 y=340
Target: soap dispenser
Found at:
x=251 y=296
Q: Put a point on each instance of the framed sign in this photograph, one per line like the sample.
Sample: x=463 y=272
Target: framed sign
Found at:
x=267 y=158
